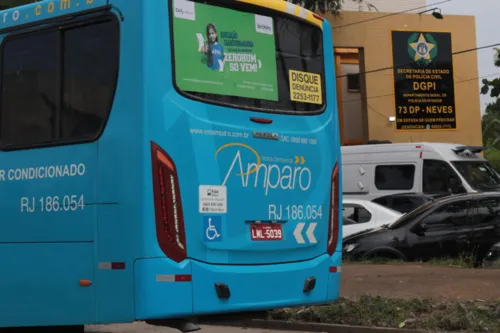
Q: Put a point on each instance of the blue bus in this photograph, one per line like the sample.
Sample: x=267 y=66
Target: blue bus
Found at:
x=162 y=160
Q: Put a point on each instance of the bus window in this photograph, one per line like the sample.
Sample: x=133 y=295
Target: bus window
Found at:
x=298 y=46
x=28 y=89
x=90 y=71
x=33 y=112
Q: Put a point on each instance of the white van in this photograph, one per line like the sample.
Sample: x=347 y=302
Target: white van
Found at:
x=374 y=170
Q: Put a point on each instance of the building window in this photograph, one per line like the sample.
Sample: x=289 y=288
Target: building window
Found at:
x=353 y=82
x=394 y=177
x=58 y=85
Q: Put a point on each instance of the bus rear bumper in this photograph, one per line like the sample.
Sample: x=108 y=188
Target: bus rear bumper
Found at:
x=165 y=289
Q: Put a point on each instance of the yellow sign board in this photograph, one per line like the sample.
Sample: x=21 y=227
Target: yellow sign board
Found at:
x=305 y=87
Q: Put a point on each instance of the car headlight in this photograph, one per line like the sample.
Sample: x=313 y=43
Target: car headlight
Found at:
x=349 y=247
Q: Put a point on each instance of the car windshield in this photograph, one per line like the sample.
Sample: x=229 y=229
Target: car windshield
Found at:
x=480 y=175
x=407 y=218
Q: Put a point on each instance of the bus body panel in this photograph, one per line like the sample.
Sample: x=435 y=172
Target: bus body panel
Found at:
x=120 y=182
x=46 y=242
x=40 y=284
x=43 y=189
x=251 y=287
x=206 y=168
x=73 y=225
x=220 y=153
x=154 y=277
x=331 y=83
x=254 y=288
x=179 y=126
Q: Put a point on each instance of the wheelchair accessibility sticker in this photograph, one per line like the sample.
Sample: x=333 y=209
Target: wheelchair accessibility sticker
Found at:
x=212 y=228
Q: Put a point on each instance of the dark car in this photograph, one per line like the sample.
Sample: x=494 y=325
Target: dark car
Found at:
x=492 y=259
x=445 y=227
x=406 y=202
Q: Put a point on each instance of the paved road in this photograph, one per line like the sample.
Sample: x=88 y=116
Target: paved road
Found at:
x=144 y=328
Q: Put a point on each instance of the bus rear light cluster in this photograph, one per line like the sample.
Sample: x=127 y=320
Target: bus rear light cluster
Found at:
x=333 y=222
x=170 y=230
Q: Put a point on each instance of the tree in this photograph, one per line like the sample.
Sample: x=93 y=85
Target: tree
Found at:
x=492 y=86
x=333 y=6
x=490 y=122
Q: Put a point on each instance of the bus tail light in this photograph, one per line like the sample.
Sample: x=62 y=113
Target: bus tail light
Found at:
x=170 y=229
x=333 y=222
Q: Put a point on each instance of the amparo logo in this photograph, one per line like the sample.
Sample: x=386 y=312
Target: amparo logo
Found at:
x=253 y=172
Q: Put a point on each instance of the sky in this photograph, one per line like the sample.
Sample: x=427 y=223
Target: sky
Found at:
x=487 y=31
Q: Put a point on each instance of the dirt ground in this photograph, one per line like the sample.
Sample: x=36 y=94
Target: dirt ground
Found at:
x=422 y=281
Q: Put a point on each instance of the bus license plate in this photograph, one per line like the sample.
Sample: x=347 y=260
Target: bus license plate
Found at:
x=266 y=232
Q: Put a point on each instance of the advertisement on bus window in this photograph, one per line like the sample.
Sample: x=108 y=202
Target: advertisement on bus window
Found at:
x=223 y=51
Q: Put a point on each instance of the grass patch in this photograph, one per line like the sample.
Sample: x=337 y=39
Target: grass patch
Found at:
x=421 y=314
x=453 y=262
x=495 y=265
x=379 y=261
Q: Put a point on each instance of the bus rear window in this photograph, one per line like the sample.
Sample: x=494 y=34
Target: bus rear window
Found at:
x=260 y=61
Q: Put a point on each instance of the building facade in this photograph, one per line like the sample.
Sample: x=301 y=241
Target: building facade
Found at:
x=383 y=5
x=442 y=85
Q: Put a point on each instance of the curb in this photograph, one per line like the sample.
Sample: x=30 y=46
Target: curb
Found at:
x=310 y=327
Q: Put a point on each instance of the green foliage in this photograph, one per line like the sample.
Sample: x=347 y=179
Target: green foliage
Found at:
x=493 y=156
x=420 y=314
x=333 y=6
x=492 y=86
x=490 y=123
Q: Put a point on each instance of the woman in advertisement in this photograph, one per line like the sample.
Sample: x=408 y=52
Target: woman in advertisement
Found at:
x=213 y=51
